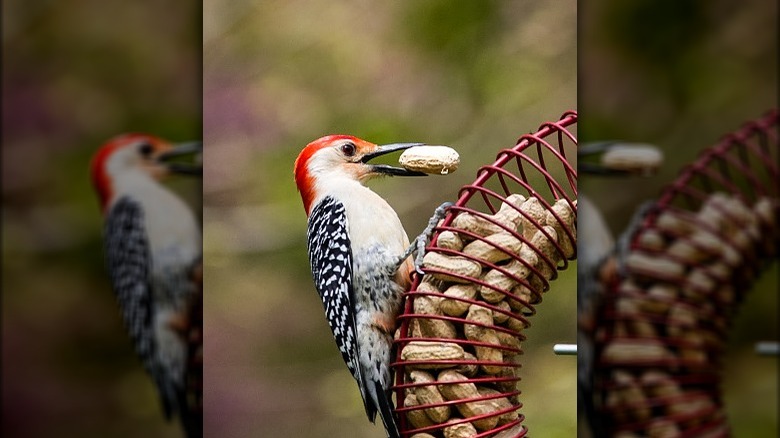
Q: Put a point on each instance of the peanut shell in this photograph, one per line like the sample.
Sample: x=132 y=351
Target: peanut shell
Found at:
x=429 y=394
x=422 y=351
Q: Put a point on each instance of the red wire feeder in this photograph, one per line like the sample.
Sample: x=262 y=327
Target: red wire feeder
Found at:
x=693 y=258
x=486 y=368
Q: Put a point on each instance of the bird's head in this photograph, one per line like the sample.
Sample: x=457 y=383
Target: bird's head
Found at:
x=335 y=157
x=140 y=154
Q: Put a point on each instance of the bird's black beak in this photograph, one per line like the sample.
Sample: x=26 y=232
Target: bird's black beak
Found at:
x=391 y=170
x=645 y=161
x=180 y=150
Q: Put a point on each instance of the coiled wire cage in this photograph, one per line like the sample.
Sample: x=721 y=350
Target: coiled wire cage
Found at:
x=488 y=265
x=664 y=321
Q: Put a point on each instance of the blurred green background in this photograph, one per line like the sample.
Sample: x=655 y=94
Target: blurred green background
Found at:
x=74 y=75
x=278 y=74
x=680 y=75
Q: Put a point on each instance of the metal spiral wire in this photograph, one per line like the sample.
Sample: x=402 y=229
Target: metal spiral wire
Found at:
x=664 y=322
x=486 y=403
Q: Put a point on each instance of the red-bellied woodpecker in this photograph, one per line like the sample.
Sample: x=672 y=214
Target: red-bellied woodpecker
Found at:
x=359 y=255
x=152 y=242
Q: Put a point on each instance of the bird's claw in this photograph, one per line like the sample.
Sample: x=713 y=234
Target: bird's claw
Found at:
x=418 y=262
x=425 y=237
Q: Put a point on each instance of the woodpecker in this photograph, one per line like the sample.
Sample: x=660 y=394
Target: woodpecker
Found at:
x=152 y=242
x=360 y=257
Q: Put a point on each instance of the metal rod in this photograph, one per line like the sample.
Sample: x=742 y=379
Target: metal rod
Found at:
x=767 y=348
x=565 y=349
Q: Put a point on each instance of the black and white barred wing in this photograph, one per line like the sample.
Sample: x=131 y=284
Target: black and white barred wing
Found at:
x=128 y=263
x=330 y=256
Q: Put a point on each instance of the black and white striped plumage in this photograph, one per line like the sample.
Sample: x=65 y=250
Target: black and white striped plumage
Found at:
x=129 y=265
x=353 y=303
x=330 y=256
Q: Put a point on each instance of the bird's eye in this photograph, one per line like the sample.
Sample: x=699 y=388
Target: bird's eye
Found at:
x=146 y=149
x=348 y=149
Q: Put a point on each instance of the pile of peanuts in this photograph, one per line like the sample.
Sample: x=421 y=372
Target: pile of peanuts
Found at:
x=469 y=312
x=673 y=309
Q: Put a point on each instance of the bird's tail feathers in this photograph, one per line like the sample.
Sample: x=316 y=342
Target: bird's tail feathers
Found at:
x=191 y=416
x=385 y=405
x=169 y=395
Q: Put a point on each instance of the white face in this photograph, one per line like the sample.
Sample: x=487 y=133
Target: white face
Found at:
x=341 y=158
x=138 y=155
x=336 y=167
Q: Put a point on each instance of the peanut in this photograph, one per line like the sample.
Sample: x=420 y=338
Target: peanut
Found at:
x=524 y=298
x=662 y=428
x=712 y=214
x=428 y=394
x=416 y=417
x=546 y=246
x=449 y=240
x=483 y=334
x=686 y=251
x=431 y=327
x=632 y=395
x=517 y=323
x=569 y=222
x=721 y=271
x=694 y=407
x=651 y=239
x=507 y=385
x=628 y=308
x=467 y=369
x=681 y=318
x=501 y=317
x=508 y=213
x=536 y=217
x=659 y=298
x=477 y=224
x=462 y=430
x=452 y=304
x=508 y=340
x=501 y=403
x=636 y=158
x=451 y=265
x=731 y=256
x=742 y=239
x=766 y=210
x=660 y=384
x=451 y=389
x=643 y=265
x=512 y=432
x=495 y=248
x=502 y=283
x=430 y=285
x=631 y=351
x=693 y=352
x=738 y=212
x=426 y=351
x=414 y=329
x=698 y=285
x=430 y=159
x=675 y=223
